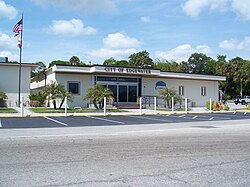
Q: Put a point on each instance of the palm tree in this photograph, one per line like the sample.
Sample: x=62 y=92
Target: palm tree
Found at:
x=167 y=95
x=96 y=95
x=55 y=91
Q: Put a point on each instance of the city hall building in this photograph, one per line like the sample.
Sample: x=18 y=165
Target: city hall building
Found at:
x=129 y=83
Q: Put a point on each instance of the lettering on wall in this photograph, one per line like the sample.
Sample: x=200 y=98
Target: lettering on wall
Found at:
x=127 y=70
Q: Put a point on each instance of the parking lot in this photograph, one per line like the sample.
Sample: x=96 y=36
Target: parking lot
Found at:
x=53 y=122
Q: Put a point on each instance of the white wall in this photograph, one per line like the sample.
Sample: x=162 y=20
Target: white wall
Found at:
x=85 y=83
x=9 y=81
x=192 y=88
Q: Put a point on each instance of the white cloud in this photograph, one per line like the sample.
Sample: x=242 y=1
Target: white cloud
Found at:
x=116 y=45
x=183 y=52
x=7 y=42
x=194 y=7
x=242 y=8
x=234 y=45
x=7 y=10
x=10 y=55
x=145 y=19
x=71 y=27
x=81 y=6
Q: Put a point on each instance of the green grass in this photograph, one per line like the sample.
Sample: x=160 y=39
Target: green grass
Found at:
x=71 y=110
x=7 y=110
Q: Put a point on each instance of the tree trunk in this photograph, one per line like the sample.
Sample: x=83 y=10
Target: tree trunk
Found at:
x=54 y=103
x=61 y=104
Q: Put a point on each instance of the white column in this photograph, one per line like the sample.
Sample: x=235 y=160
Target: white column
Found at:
x=66 y=108
x=186 y=105
x=22 y=107
x=140 y=106
x=172 y=105
x=155 y=105
x=210 y=105
x=105 y=105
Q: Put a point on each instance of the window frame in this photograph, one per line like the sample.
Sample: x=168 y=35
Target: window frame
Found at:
x=203 y=91
x=70 y=82
x=181 y=90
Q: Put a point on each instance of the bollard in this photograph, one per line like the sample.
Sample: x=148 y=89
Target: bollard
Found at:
x=210 y=105
x=186 y=105
x=105 y=105
x=22 y=107
x=140 y=106
x=155 y=105
x=65 y=108
x=172 y=105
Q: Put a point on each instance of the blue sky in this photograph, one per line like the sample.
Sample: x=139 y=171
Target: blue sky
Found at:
x=95 y=30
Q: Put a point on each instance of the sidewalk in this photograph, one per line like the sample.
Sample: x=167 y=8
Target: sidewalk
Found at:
x=29 y=113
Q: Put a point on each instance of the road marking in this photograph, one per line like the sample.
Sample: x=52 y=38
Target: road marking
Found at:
x=211 y=118
x=106 y=120
x=234 y=112
x=182 y=116
x=0 y=123
x=245 y=113
x=61 y=123
x=150 y=118
x=194 y=117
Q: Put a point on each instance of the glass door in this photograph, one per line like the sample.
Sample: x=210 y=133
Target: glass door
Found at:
x=113 y=89
x=132 y=93
x=123 y=96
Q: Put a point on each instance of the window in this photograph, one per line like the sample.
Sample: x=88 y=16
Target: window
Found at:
x=73 y=87
x=181 y=90
x=203 y=91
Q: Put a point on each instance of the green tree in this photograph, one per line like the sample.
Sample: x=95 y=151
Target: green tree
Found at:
x=74 y=60
x=96 y=95
x=140 y=59
x=54 y=91
x=197 y=62
x=41 y=67
x=55 y=62
x=3 y=95
x=109 y=62
x=167 y=94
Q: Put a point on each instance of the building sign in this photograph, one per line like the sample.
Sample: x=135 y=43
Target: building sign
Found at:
x=127 y=70
x=160 y=85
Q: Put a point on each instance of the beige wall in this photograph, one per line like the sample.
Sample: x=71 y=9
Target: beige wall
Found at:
x=192 y=88
x=85 y=83
x=9 y=81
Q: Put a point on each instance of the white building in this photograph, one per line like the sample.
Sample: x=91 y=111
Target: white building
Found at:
x=9 y=81
x=129 y=83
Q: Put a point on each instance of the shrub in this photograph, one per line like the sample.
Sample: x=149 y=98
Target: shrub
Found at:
x=226 y=107
x=248 y=106
x=208 y=105
x=3 y=95
x=37 y=99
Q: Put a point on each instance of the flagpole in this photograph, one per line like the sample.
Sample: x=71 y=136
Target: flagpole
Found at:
x=20 y=66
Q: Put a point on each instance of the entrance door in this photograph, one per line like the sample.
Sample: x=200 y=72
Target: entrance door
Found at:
x=113 y=89
x=132 y=93
x=123 y=96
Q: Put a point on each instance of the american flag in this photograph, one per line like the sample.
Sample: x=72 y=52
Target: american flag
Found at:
x=17 y=29
x=19 y=42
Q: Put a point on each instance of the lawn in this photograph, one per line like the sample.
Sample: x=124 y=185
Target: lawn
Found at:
x=7 y=110
x=71 y=110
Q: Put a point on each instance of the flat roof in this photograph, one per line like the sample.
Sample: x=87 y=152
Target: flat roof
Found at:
x=17 y=64
x=131 y=71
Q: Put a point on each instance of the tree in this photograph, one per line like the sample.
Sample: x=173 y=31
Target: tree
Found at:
x=41 y=68
x=109 y=62
x=3 y=96
x=140 y=59
x=55 y=91
x=74 y=60
x=55 y=62
x=197 y=62
x=96 y=95
x=167 y=94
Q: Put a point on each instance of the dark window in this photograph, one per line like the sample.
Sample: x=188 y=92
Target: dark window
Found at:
x=121 y=79
x=181 y=90
x=203 y=91
x=73 y=87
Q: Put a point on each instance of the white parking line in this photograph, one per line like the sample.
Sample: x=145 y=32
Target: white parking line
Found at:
x=105 y=120
x=194 y=117
x=150 y=118
x=182 y=116
x=211 y=118
x=0 y=123
x=61 y=123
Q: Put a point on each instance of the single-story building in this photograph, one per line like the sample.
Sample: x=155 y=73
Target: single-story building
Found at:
x=9 y=81
x=129 y=83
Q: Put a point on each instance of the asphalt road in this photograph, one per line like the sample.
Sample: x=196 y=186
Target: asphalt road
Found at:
x=204 y=153
x=50 y=122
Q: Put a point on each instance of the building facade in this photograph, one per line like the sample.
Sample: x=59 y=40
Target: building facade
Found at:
x=9 y=81
x=129 y=83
